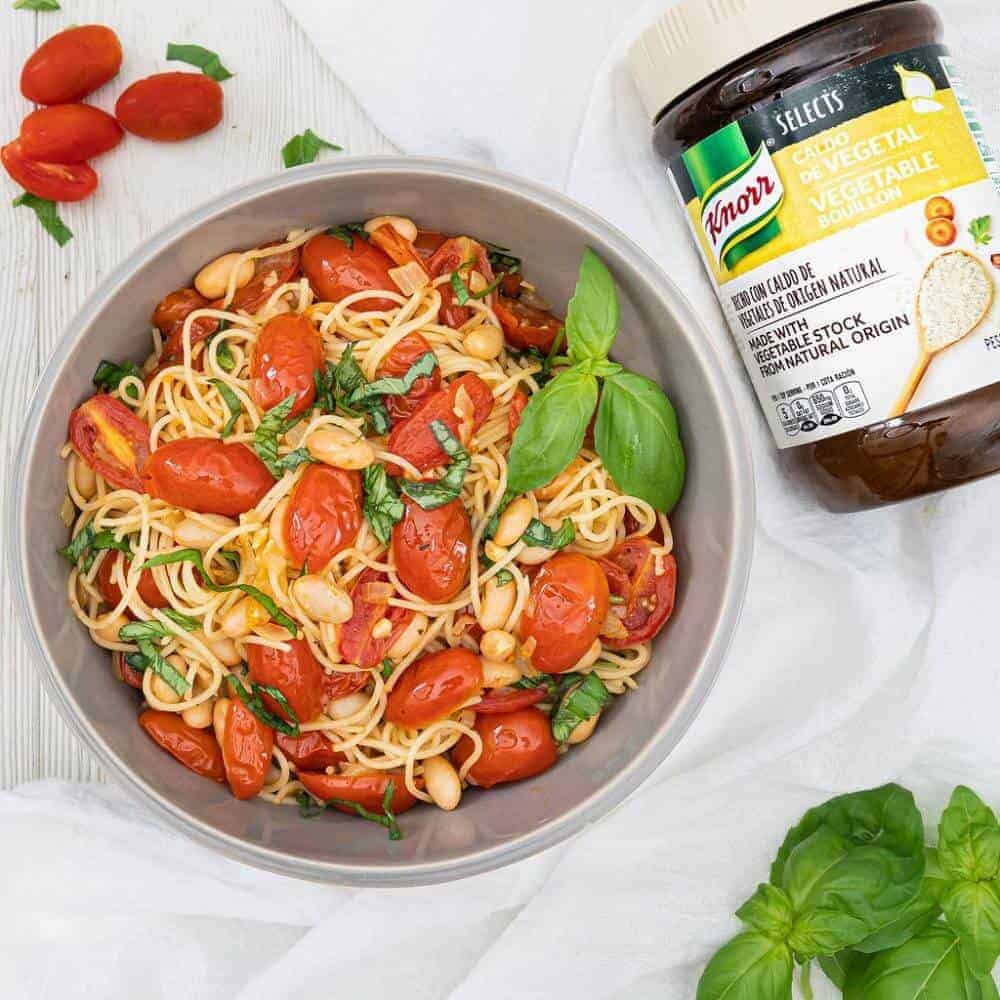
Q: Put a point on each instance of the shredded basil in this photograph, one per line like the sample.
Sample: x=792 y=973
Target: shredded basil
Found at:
x=153 y=629
x=437 y=493
x=337 y=384
x=393 y=385
x=347 y=232
x=459 y=287
x=108 y=376
x=504 y=577
x=540 y=535
x=293 y=459
x=223 y=353
x=48 y=216
x=387 y=668
x=269 y=431
x=304 y=148
x=309 y=808
x=580 y=703
x=86 y=543
x=501 y=259
x=541 y=680
x=383 y=508
x=253 y=701
x=195 y=55
x=156 y=662
x=232 y=402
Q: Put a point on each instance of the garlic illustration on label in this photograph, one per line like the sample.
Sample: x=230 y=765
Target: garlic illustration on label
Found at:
x=918 y=89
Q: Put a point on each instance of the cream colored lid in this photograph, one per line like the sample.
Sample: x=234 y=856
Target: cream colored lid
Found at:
x=696 y=38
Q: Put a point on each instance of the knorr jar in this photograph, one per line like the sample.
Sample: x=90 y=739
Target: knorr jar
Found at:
x=847 y=206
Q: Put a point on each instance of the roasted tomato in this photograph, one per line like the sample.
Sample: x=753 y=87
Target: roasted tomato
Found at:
x=323 y=515
x=207 y=476
x=431 y=550
x=368 y=790
x=397 y=363
x=268 y=273
x=428 y=242
x=246 y=748
x=396 y=246
x=126 y=674
x=168 y=318
x=336 y=270
x=370 y=595
x=413 y=438
x=296 y=674
x=433 y=687
x=516 y=745
x=110 y=590
x=342 y=683
x=71 y=64
x=308 y=752
x=68 y=133
x=649 y=599
x=284 y=361
x=52 y=181
x=196 y=749
x=566 y=608
x=168 y=107
x=112 y=440
x=517 y=405
x=449 y=257
x=526 y=326
x=499 y=701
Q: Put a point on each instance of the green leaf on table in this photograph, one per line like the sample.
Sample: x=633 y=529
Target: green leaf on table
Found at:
x=304 y=148
x=592 y=314
x=838 y=967
x=769 y=911
x=979 y=230
x=195 y=55
x=752 y=966
x=48 y=216
x=972 y=909
x=37 y=5
x=968 y=838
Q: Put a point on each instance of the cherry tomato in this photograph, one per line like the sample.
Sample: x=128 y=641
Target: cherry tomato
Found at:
x=433 y=687
x=308 y=752
x=566 y=608
x=323 y=516
x=517 y=405
x=268 y=273
x=112 y=440
x=71 y=64
x=110 y=590
x=431 y=550
x=296 y=674
x=126 y=674
x=368 y=790
x=499 y=701
x=207 y=476
x=336 y=270
x=398 y=247
x=428 y=242
x=246 y=749
x=168 y=318
x=397 y=363
x=449 y=257
x=526 y=326
x=196 y=749
x=516 y=745
x=649 y=599
x=169 y=107
x=413 y=438
x=342 y=683
x=52 y=181
x=68 y=133
x=284 y=361
x=371 y=605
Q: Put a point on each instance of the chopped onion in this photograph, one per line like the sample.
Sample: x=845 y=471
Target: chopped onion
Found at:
x=409 y=278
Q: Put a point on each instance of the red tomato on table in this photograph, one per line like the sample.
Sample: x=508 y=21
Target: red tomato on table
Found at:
x=397 y=363
x=357 y=644
x=110 y=590
x=526 y=326
x=246 y=749
x=112 y=440
x=284 y=361
x=71 y=64
x=169 y=107
x=516 y=745
x=296 y=674
x=68 y=133
x=336 y=270
x=52 y=181
x=648 y=599
x=431 y=550
x=308 y=752
x=323 y=515
x=433 y=687
x=368 y=790
x=196 y=749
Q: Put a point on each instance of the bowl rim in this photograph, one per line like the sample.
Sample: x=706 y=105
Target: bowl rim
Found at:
x=586 y=812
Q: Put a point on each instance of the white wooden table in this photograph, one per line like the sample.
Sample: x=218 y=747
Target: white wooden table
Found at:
x=280 y=88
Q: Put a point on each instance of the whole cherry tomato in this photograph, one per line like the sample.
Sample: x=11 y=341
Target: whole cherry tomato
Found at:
x=110 y=590
x=246 y=749
x=169 y=107
x=341 y=683
x=196 y=749
x=207 y=476
x=649 y=599
x=526 y=326
x=308 y=752
x=413 y=438
x=396 y=246
x=71 y=64
x=336 y=270
x=268 y=274
x=296 y=674
x=517 y=404
x=566 y=608
x=499 y=701
x=516 y=745
x=323 y=515
x=52 y=181
x=368 y=790
x=125 y=673
x=433 y=687
x=451 y=256
x=431 y=550
x=68 y=133
x=397 y=363
x=168 y=318
x=112 y=440
x=284 y=361
x=371 y=604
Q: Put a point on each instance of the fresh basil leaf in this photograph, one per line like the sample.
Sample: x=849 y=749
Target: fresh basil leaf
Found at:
x=156 y=662
x=821 y=929
x=153 y=629
x=269 y=432
x=37 y=5
x=540 y=535
x=393 y=385
x=347 y=232
x=751 y=966
x=979 y=230
x=304 y=148
x=768 y=910
x=501 y=259
x=539 y=680
x=579 y=704
x=972 y=910
x=106 y=540
x=989 y=988
x=592 y=314
x=47 y=215
x=232 y=402
x=383 y=508
x=459 y=287
x=254 y=703
x=84 y=546
x=919 y=913
x=504 y=577
x=837 y=967
x=108 y=376
x=223 y=353
x=437 y=493
x=337 y=384
x=551 y=431
x=309 y=808
x=637 y=437
x=291 y=460
x=968 y=838
x=386 y=819
x=195 y=55
x=387 y=669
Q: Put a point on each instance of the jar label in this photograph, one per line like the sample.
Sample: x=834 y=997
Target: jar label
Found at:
x=852 y=231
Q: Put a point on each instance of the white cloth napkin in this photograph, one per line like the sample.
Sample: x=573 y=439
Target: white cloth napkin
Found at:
x=866 y=652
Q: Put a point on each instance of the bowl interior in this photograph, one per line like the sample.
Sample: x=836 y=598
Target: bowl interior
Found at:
x=659 y=337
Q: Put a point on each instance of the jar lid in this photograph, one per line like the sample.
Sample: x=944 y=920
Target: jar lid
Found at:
x=696 y=38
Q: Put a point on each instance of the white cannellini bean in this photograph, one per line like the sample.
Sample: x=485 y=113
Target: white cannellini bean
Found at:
x=441 y=782
x=497 y=674
x=240 y=619
x=406 y=228
x=534 y=555
x=477 y=282
x=583 y=730
x=220 y=713
x=409 y=638
x=497 y=604
x=276 y=526
x=322 y=600
x=495 y=553
x=272 y=632
x=340 y=448
x=86 y=479
x=199 y=716
x=344 y=708
x=109 y=631
x=161 y=689
x=202 y=532
x=513 y=522
x=213 y=279
x=497 y=645
x=381 y=629
x=485 y=342
x=223 y=647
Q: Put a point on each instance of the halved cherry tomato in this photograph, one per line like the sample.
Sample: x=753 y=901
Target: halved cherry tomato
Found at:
x=125 y=673
x=516 y=745
x=309 y=752
x=368 y=790
x=357 y=644
x=268 y=273
x=52 y=181
x=207 y=476
x=649 y=599
x=397 y=363
x=168 y=318
x=68 y=133
x=169 y=107
x=296 y=674
x=526 y=326
x=196 y=749
x=517 y=405
x=71 y=64
x=323 y=516
x=498 y=701
x=341 y=683
x=112 y=440
x=428 y=242
x=336 y=270
x=246 y=749
x=431 y=549
x=566 y=607
x=434 y=687
x=396 y=246
x=413 y=438
x=110 y=590
x=450 y=257
x=284 y=361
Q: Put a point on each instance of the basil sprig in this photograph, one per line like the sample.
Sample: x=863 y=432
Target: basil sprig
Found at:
x=304 y=148
x=253 y=701
x=48 y=216
x=581 y=702
x=87 y=542
x=108 y=376
x=393 y=385
x=383 y=508
x=232 y=402
x=436 y=493
x=196 y=55
x=540 y=535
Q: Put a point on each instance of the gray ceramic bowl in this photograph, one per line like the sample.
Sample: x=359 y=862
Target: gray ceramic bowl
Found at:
x=712 y=526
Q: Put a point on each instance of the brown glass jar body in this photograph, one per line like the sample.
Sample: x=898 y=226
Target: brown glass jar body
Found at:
x=926 y=450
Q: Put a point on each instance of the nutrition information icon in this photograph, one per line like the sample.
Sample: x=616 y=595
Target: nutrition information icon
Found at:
x=824 y=408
